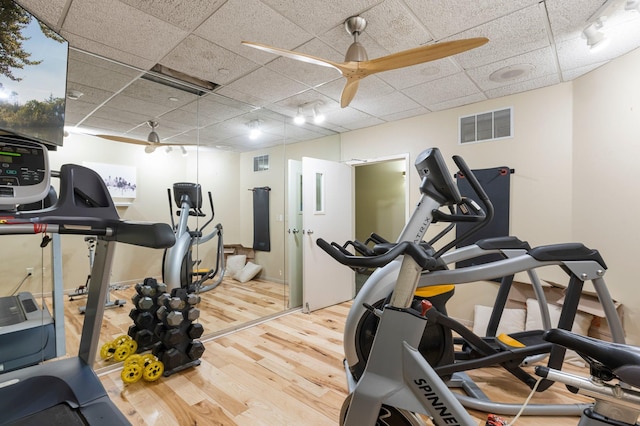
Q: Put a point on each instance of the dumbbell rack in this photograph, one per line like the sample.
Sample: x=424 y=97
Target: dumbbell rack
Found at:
x=164 y=323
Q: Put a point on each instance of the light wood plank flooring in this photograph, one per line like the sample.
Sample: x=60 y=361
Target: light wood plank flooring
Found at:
x=229 y=305
x=286 y=371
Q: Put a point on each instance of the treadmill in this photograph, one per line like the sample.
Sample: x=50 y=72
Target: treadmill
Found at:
x=66 y=391
x=27 y=332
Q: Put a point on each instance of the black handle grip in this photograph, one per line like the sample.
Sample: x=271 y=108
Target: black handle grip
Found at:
x=475 y=185
x=412 y=249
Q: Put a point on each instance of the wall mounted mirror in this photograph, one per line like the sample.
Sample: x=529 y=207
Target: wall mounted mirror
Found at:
x=205 y=139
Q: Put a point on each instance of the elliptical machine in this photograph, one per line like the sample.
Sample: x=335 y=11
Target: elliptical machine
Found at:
x=178 y=264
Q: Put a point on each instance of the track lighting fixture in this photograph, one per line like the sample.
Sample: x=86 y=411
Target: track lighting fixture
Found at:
x=168 y=149
x=183 y=150
x=299 y=118
x=255 y=131
x=595 y=37
x=318 y=117
x=632 y=5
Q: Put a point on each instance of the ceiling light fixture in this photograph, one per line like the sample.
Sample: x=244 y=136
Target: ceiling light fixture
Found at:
x=299 y=118
x=153 y=136
x=595 y=37
x=150 y=148
x=74 y=95
x=632 y=5
x=318 y=117
x=168 y=149
x=184 y=151
x=255 y=131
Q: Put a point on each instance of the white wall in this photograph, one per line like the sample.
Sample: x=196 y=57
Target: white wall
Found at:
x=540 y=152
x=217 y=171
x=606 y=149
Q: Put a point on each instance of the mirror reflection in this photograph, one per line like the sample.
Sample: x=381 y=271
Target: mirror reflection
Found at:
x=177 y=154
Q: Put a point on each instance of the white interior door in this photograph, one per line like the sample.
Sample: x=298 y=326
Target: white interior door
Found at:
x=327 y=213
x=294 y=232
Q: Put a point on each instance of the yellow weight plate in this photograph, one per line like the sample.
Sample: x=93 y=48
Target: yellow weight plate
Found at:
x=131 y=373
x=153 y=371
x=133 y=359
x=133 y=346
x=148 y=359
x=121 y=339
x=107 y=350
x=121 y=353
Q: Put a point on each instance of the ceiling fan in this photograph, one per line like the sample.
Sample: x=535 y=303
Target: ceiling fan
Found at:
x=152 y=142
x=357 y=66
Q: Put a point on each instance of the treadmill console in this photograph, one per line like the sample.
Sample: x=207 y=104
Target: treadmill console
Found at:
x=24 y=172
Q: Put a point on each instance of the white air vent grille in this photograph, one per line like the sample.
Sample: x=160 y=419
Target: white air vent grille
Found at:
x=261 y=163
x=486 y=126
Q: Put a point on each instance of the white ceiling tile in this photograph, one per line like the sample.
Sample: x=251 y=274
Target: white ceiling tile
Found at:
x=346 y=116
x=279 y=87
x=568 y=18
x=319 y=16
x=453 y=103
x=201 y=58
x=251 y=20
x=48 y=11
x=112 y=23
x=390 y=103
x=309 y=74
x=445 y=18
x=570 y=74
x=524 y=86
x=542 y=60
x=438 y=91
x=411 y=76
x=511 y=35
x=394 y=27
x=108 y=52
x=405 y=114
x=183 y=14
x=622 y=34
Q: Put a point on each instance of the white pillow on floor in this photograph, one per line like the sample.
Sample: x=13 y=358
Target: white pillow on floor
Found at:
x=247 y=273
x=234 y=264
x=512 y=320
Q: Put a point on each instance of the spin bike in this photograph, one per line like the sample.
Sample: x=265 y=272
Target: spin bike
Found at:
x=398 y=381
x=83 y=290
x=178 y=264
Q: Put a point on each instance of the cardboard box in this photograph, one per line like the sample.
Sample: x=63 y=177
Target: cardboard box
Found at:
x=555 y=294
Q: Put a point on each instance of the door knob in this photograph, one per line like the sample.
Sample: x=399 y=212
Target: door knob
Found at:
x=309 y=231
x=292 y=231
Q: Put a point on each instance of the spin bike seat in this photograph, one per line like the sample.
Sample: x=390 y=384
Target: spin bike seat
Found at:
x=621 y=360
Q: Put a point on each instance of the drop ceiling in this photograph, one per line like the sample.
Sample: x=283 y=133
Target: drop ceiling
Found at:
x=532 y=44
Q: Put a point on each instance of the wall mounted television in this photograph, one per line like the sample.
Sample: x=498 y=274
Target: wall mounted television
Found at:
x=33 y=76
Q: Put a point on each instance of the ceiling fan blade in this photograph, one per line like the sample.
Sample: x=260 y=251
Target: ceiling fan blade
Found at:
x=297 y=56
x=420 y=55
x=349 y=91
x=125 y=139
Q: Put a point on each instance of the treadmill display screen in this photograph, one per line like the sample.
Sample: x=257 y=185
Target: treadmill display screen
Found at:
x=6 y=157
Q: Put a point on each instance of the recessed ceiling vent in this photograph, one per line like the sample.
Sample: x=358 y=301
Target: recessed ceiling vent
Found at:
x=179 y=80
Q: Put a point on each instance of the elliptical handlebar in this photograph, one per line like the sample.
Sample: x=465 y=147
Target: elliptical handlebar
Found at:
x=404 y=248
x=483 y=217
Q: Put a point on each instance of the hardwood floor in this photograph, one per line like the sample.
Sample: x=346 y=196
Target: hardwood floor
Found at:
x=282 y=372
x=229 y=305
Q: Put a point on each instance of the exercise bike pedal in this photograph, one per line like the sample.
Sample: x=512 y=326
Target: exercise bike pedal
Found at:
x=522 y=339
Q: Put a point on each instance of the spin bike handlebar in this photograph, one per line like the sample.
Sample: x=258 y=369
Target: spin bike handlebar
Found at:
x=404 y=248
